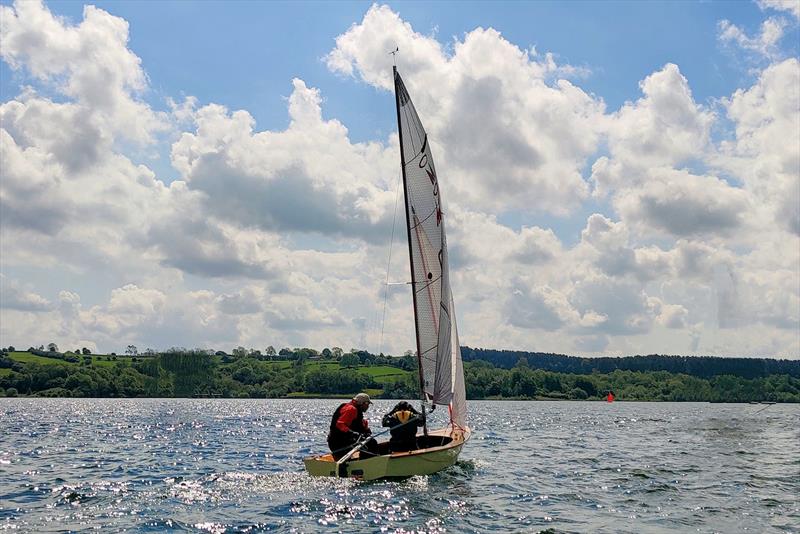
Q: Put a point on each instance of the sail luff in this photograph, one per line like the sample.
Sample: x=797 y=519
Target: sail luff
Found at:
x=408 y=229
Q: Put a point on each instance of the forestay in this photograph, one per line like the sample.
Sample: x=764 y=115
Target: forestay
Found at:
x=441 y=372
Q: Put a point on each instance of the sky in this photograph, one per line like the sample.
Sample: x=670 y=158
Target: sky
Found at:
x=618 y=178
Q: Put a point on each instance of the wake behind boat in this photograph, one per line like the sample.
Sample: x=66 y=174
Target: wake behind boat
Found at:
x=441 y=372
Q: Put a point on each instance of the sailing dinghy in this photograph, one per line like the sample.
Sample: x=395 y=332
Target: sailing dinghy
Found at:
x=441 y=373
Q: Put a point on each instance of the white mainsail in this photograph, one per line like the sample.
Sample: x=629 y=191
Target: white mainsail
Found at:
x=441 y=369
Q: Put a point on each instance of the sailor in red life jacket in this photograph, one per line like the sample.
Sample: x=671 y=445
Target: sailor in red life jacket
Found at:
x=348 y=426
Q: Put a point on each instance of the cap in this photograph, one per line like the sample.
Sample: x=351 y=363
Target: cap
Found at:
x=362 y=398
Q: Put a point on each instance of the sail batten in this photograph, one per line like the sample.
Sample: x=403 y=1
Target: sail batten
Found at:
x=441 y=372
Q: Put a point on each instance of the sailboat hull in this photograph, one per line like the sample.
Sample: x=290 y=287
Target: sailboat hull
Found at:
x=396 y=465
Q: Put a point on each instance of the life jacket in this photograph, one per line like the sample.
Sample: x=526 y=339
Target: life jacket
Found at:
x=404 y=415
x=357 y=425
x=399 y=430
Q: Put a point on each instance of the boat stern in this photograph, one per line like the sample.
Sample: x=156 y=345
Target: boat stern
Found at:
x=366 y=469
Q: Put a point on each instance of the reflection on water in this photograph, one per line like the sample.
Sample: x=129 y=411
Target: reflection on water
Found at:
x=206 y=465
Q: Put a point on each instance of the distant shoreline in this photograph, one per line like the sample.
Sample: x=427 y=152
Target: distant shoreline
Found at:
x=305 y=373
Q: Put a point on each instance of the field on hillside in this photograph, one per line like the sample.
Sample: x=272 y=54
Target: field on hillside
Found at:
x=27 y=357
x=380 y=373
x=100 y=360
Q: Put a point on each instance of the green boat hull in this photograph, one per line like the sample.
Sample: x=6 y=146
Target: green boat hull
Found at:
x=395 y=465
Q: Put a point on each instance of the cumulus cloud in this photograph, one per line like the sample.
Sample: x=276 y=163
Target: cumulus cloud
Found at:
x=15 y=297
x=764 y=44
x=29 y=188
x=67 y=197
x=695 y=259
x=664 y=128
x=292 y=312
x=672 y=316
x=308 y=178
x=65 y=132
x=208 y=248
x=77 y=218
x=603 y=233
x=592 y=344
x=132 y=301
x=606 y=244
x=475 y=236
x=186 y=318
x=624 y=306
x=683 y=205
x=241 y=303
x=536 y=246
x=502 y=135
x=752 y=296
x=764 y=152
x=792 y=6
x=384 y=30
x=539 y=307
x=90 y=63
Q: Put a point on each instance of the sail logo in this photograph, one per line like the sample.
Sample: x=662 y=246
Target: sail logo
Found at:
x=423 y=164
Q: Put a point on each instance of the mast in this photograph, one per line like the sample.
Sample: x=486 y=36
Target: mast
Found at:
x=410 y=251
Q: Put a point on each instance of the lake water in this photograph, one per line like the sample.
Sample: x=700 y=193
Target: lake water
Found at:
x=197 y=465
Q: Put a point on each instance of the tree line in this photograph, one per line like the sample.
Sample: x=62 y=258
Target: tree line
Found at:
x=186 y=373
x=484 y=380
x=699 y=366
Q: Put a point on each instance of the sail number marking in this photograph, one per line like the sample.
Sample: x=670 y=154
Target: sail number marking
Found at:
x=423 y=164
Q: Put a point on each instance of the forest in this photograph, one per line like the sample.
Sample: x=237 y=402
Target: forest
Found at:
x=307 y=373
x=699 y=366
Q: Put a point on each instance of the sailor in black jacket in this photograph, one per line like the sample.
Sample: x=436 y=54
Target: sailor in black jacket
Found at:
x=403 y=420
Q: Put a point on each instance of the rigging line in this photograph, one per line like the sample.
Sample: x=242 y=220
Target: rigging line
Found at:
x=429 y=284
x=762 y=409
x=425 y=352
x=389 y=263
x=417 y=155
x=426 y=218
x=420 y=153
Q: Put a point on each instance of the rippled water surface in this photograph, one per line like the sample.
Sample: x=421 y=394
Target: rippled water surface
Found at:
x=153 y=465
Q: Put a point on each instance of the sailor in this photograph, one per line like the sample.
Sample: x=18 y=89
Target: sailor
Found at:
x=403 y=421
x=348 y=426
